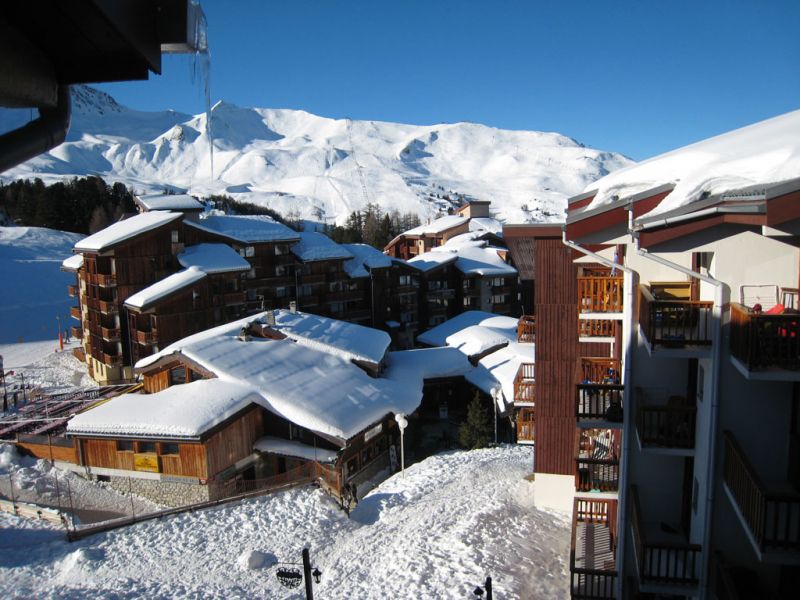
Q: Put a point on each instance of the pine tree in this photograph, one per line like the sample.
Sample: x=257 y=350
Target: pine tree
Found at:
x=476 y=430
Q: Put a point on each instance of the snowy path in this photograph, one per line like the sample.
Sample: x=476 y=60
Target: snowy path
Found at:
x=436 y=533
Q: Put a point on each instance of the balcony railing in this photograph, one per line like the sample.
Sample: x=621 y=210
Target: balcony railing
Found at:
x=599 y=402
x=597 y=328
x=666 y=426
x=110 y=333
x=234 y=298
x=526 y=329
x=526 y=425
x=75 y=312
x=772 y=517
x=77 y=331
x=112 y=360
x=762 y=341
x=525 y=384
x=107 y=307
x=146 y=337
x=666 y=563
x=600 y=294
x=674 y=323
x=593 y=474
x=72 y=290
x=103 y=279
x=600 y=370
x=592 y=566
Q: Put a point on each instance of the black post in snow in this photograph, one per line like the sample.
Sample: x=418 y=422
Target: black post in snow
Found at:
x=307 y=575
x=488 y=587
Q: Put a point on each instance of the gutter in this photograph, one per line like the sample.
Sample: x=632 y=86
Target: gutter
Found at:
x=38 y=136
x=716 y=366
x=631 y=283
x=652 y=224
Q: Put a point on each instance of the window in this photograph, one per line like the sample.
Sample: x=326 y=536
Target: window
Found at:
x=168 y=449
x=249 y=251
x=468 y=284
x=701 y=382
x=280 y=292
x=335 y=286
x=175 y=236
x=146 y=447
x=284 y=270
x=177 y=376
x=468 y=301
x=251 y=274
x=405 y=279
x=124 y=446
x=281 y=249
x=304 y=290
x=499 y=299
x=498 y=282
x=352 y=465
x=337 y=307
x=193 y=375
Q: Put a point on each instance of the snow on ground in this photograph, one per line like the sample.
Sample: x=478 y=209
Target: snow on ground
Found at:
x=42 y=364
x=435 y=533
x=34 y=289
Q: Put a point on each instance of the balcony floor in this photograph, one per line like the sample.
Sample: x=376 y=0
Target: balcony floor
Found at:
x=774 y=374
x=593 y=547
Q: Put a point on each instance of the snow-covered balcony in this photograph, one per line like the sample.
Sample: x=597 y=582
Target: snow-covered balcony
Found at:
x=671 y=322
x=526 y=329
x=525 y=385
x=766 y=346
x=593 y=571
x=665 y=561
x=600 y=305
x=526 y=422
x=769 y=514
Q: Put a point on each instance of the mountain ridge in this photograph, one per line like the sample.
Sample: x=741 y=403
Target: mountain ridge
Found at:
x=316 y=167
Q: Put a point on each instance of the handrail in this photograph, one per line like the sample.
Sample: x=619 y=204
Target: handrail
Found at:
x=763 y=341
x=667 y=426
x=675 y=323
x=599 y=401
x=526 y=329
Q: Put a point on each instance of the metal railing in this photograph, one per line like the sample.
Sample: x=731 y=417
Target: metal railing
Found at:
x=765 y=341
x=666 y=426
x=675 y=323
x=596 y=474
x=773 y=517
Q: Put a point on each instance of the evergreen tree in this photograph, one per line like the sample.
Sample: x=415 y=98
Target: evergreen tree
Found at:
x=476 y=430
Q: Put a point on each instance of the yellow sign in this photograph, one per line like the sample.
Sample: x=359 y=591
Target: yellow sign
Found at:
x=146 y=462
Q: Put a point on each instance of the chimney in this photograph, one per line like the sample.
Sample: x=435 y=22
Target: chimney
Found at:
x=293 y=306
x=270 y=318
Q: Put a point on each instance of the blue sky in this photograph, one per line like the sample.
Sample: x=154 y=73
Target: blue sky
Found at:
x=637 y=77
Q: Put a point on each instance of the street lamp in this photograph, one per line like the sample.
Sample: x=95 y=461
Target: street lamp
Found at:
x=402 y=423
x=496 y=395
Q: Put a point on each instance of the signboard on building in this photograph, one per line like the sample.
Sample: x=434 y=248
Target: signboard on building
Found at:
x=373 y=432
x=146 y=462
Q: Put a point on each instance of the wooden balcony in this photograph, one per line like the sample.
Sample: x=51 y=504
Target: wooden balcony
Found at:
x=75 y=312
x=234 y=298
x=103 y=279
x=765 y=342
x=593 y=571
x=600 y=370
x=146 y=337
x=72 y=291
x=669 y=425
x=597 y=328
x=662 y=562
x=76 y=331
x=106 y=307
x=596 y=475
x=674 y=323
x=110 y=334
x=525 y=385
x=526 y=426
x=526 y=329
x=112 y=360
x=600 y=294
x=772 y=516
x=599 y=402
x=79 y=354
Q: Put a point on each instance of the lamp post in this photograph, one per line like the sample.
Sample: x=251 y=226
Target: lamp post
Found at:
x=60 y=337
x=402 y=423
x=487 y=589
x=495 y=399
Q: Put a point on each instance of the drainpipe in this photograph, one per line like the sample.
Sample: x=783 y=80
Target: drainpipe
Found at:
x=716 y=366
x=631 y=284
x=38 y=136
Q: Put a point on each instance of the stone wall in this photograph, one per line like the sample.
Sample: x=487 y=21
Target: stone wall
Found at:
x=166 y=493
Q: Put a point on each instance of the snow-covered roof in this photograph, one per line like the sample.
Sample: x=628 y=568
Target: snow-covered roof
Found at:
x=213 y=258
x=463 y=240
x=248 y=229
x=180 y=411
x=438 y=226
x=308 y=382
x=316 y=246
x=349 y=340
x=411 y=367
x=73 y=263
x=275 y=445
x=480 y=261
x=178 y=202
x=496 y=326
x=427 y=261
x=125 y=230
x=484 y=224
x=764 y=153
x=475 y=340
x=364 y=257
x=165 y=287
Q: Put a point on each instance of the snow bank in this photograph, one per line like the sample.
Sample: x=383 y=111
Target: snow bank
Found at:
x=763 y=153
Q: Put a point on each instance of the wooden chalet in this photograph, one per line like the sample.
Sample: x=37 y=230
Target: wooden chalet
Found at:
x=424 y=238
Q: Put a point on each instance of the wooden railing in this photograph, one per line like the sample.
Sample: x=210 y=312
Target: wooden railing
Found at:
x=600 y=294
x=662 y=563
x=597 y=328
x=765 y=341
x=595 y=401
x=525 y=384
x=77 y=331
x=596 y=474
x=233 y=298
x=72 y=290
x=593 y=583
x=675 y=323
x=112 y=360
x=600 y=370
x=526 y=425
x=103 y=279
x=526 y=329
x=110 y=333
x=773 y=517
x=666 y=426
x=75 y=311
x=106 y=306
x=146 y=337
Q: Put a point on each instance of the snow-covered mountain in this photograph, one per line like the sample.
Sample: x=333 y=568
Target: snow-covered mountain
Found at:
x=323 y=169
